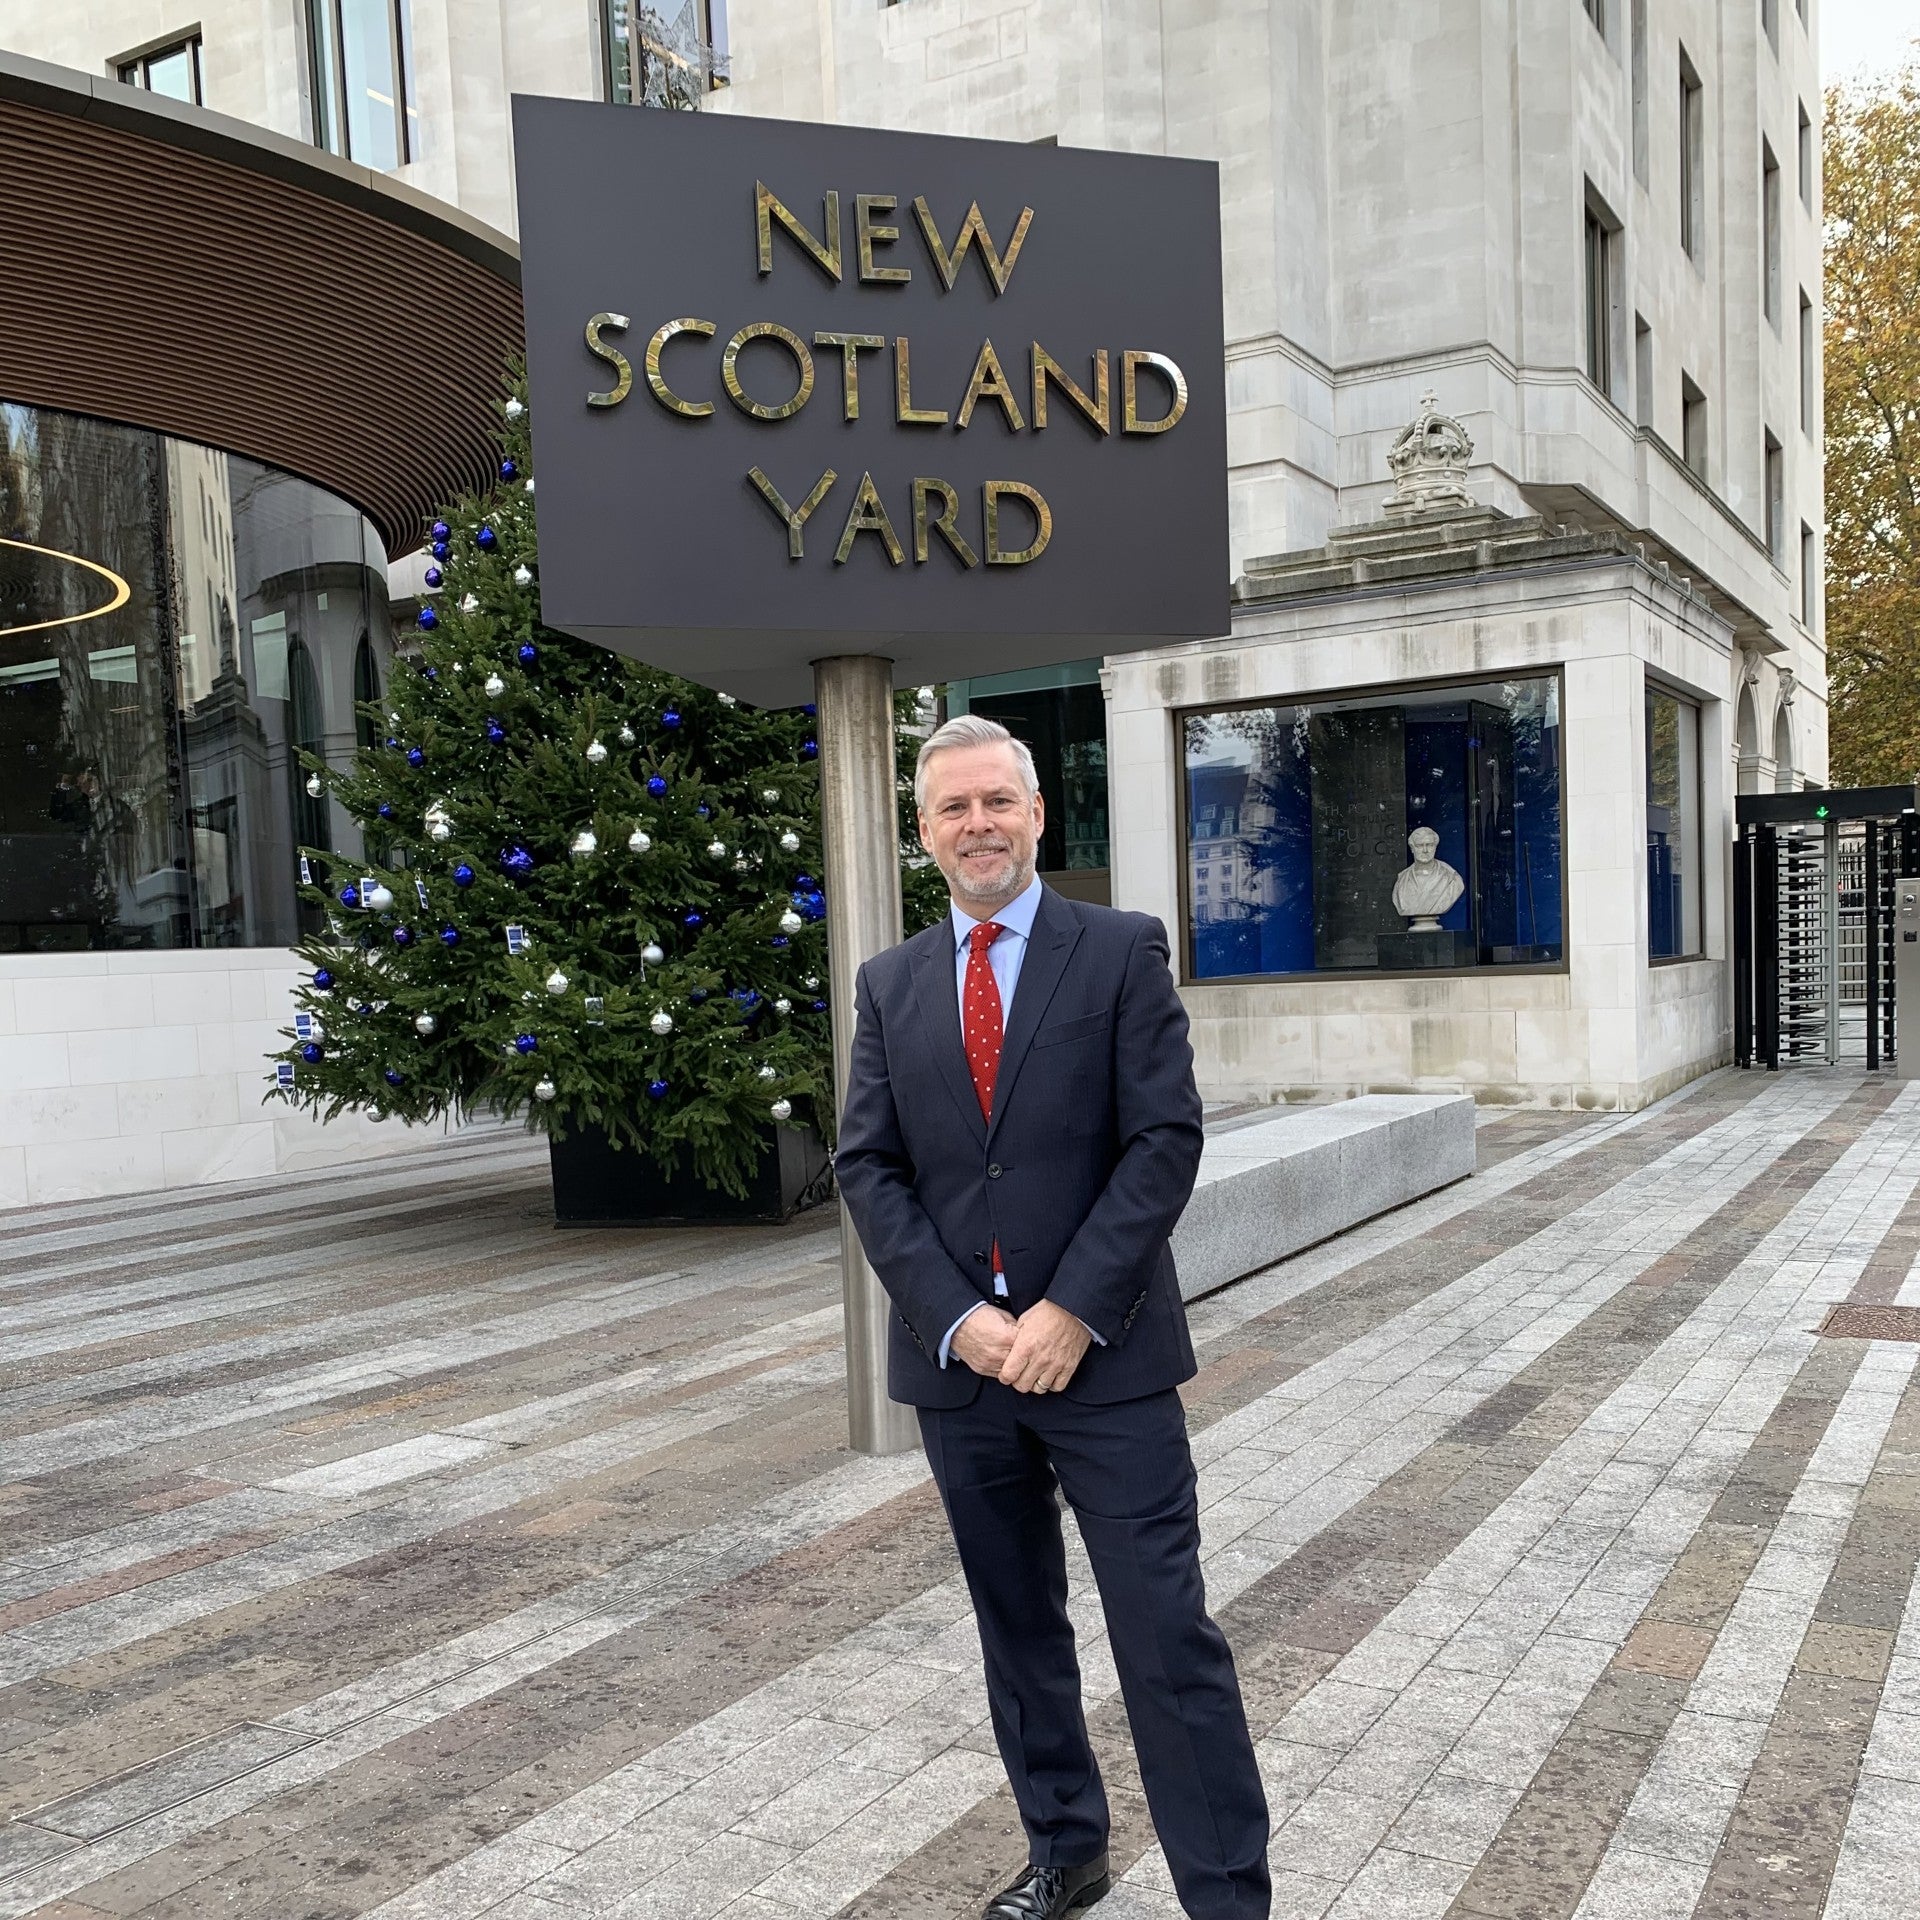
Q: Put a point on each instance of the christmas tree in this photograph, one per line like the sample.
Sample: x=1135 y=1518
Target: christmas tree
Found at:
x=592 y=897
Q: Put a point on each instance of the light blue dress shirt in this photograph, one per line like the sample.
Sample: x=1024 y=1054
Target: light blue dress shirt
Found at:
x=1005 y=956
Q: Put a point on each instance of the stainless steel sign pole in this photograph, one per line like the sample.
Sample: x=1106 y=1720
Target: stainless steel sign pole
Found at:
x=821 y=410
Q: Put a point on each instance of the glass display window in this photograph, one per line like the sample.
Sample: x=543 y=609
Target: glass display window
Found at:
x=1673 y=825
x=1393 y=831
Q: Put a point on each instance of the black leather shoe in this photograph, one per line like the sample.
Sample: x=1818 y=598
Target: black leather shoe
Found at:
x=1046 y=1893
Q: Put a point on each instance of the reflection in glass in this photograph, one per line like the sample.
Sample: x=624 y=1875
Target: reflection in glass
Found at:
x=365 y=105
x=1298 y=820
x=1673 y=826
x=149 y=794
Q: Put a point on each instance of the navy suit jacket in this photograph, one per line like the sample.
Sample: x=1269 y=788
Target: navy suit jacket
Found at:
x=1080 y=1172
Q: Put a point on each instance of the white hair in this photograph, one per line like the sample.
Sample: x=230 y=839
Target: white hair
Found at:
x=972 y=730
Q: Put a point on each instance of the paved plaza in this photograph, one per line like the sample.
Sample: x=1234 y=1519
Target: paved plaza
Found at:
x=369 y=1547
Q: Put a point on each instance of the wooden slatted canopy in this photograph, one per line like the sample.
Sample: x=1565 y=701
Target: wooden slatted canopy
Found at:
x=170 y=268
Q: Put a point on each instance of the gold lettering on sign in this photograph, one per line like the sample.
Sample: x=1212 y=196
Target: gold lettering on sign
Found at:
x=972 y=228
x=867 y=236
x=623 y=384
x=793 y=518
x=1099 y=410
x=945 y=523
x=768 y=207
x=687 y=409
x=903 y=409
x=990 y=382
x=990 y=495
x=1130 y=364
x=869 y=515
x=730 y=372
x=851 y=345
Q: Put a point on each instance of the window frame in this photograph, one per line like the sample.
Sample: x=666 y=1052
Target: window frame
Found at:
x=1600 y=284
x=1803 y=158
x=1682 y=697
x=715 y=35
x=131 y=69
x=1770 y=277
x=1695 y=429
x=1809 y=578
x=1773 y=492
x=1809 y=365
x=327 y=69
x=1693 y=156
x=1379 y=694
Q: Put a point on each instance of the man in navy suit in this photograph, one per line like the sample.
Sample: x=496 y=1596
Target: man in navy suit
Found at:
x=1021 y=1134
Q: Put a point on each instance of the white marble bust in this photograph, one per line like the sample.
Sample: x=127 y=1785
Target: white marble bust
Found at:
x=1425 y=890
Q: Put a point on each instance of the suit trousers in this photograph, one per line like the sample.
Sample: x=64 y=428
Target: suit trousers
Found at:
x=1127 y=1472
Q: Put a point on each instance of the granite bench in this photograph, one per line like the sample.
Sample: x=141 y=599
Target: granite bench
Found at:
x=1269 y=1187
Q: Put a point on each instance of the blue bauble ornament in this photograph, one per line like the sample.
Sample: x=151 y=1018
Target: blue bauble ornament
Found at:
x=809 y=709
x=528 y=653
x=322 y=980
x=441 y=549
x=656 y=1089
x=450 y=936
x=486 y=539
x=312 y=1053
x=495 y=731
x=463 y=875
x=441 y=530
x=779 y=939
x=384 y=811
x=524 y=1043
x=434 y=576
x=809 y=749
x=819 y=1006
x=428 y=618
x=394 y=1079
x=670 y=718
x=698 y=997
x=692 y=922
x=704 y=811
x=393 y=745
x=403 y=936
x=657 y=785
x=349 y=895
x=813 y=906
x=517 y=861
x=508 y=470
x=803 y=883
x=415 y=757
x=433 y=673
x=745 y=996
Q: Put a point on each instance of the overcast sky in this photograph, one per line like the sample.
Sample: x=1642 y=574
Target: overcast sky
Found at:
x=1865 y=36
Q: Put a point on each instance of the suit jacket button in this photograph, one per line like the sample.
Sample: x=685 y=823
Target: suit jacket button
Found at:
x=980 y=1259
x=993 y=1172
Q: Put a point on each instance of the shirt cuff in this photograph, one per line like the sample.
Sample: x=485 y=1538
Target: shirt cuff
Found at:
x=947 y=1343
x=1097 y=1341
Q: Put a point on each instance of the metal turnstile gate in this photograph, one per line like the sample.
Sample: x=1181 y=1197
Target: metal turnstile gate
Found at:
x=1814 y=898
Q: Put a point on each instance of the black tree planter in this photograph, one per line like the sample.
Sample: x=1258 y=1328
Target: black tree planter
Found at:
x=596 y=1184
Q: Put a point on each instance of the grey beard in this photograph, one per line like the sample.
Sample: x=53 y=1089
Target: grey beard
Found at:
x=1013 y=885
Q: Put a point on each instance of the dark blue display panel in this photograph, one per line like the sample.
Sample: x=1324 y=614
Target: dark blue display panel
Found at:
x=1298 y=820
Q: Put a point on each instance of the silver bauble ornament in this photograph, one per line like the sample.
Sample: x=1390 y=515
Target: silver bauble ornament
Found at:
x=770 y=795
x=557 y=982
x=380 y=899
x=743 y=864
x=727 y=700
x=782 y=1109
x=812 y=983
x=627 y=736
x=523 y=575
x=789 y=843
x=471 y=604
x=651 y=954
x=662 y=1022
x=529 y=486
x=424 y=1024
x=314 y=784
x=586 y=841
x=514 y=409
x=440 y=830
x=790 y=922
x=494 y=687
x=783 y=1006
x=544 y=1089
x=716 y=849
x=767 y=1073
x=638 y=841
x=596 y=752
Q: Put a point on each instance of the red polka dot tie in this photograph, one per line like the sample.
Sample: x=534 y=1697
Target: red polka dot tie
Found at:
x=980 y=1014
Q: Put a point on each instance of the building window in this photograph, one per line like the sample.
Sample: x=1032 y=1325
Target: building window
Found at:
x=1673 y=826
x=1599 y=302
x=1693 y=221
x=664 y=56
x=364 y=106
x=1776 y=529
x=173 y=70
x=1809 y=577
x=1693 y=426
x=1770 y=235
x=1809 y=370
x=1770 y=22
x=1064 y=723
x=1638 y=63
x=1320 y=802
x=1642 y=372
x=1806 y=159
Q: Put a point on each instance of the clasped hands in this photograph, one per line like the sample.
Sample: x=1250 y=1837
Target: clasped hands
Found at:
x=1037 y=1353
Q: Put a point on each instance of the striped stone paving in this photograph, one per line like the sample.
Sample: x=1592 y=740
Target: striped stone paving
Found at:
x=368 y=1547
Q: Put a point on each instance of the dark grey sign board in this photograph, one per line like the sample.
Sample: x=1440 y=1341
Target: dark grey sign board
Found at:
x=804 y=390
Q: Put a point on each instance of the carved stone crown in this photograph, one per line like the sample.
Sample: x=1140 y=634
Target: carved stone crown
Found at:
x=1429 y=461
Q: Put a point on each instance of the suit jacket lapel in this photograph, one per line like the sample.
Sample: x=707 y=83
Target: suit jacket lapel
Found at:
x=1055 y=934
x=940 y=1009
